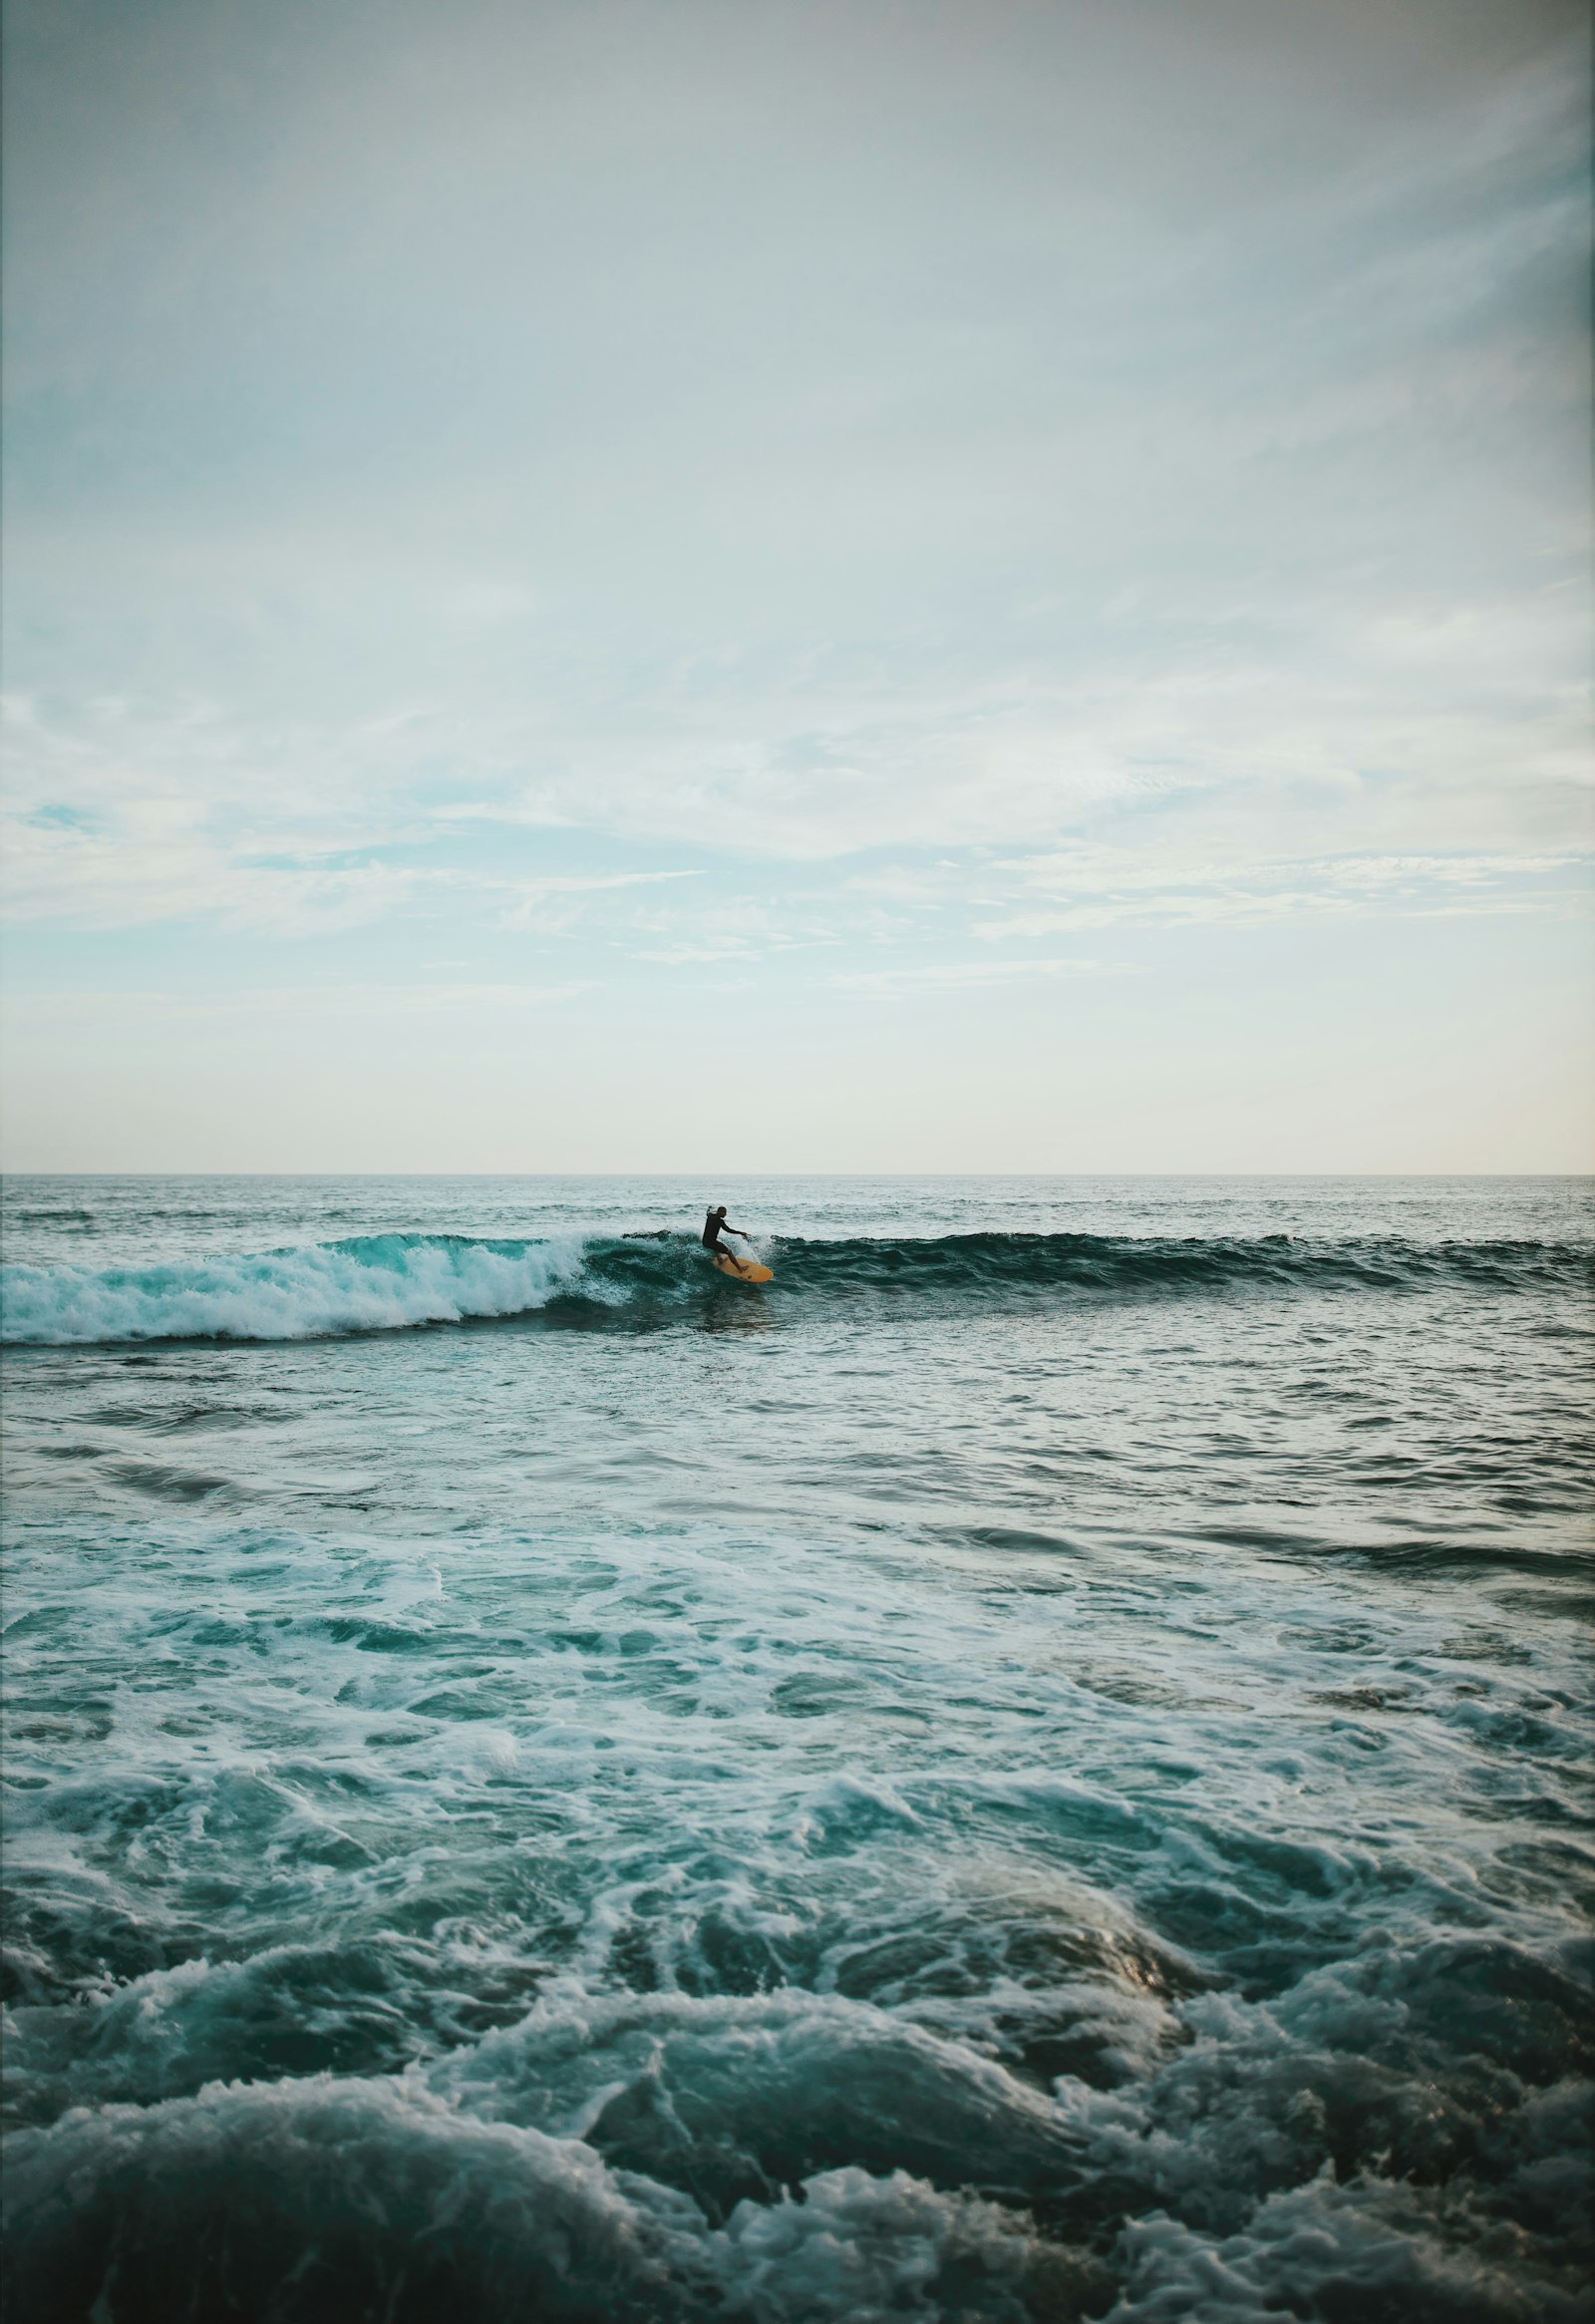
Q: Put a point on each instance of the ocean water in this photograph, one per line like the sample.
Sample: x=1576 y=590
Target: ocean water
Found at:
x=1035 y=1768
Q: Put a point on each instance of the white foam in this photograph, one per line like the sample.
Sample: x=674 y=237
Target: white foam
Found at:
x=1374 y=2243
x=383 y=1283
x=369 y=2184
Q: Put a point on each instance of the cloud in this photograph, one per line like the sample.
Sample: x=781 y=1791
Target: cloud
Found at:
x=699 y=444
x=614 y=494
x=1102 y=888
x=328 y=1002
x=963 y=975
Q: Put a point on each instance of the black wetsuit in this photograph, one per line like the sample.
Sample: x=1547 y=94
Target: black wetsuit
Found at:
x=713 y=1227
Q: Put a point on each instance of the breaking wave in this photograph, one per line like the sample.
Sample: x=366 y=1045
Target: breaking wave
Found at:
x=665 y=2159
x=383 y=1282
x=395 y=1282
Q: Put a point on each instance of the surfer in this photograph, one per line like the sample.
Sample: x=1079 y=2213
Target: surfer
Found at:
x=715 y=1225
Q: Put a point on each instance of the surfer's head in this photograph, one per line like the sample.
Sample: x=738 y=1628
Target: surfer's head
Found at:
x=720 y=1209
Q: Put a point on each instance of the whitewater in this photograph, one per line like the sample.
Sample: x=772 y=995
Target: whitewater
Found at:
x=1035 y=1769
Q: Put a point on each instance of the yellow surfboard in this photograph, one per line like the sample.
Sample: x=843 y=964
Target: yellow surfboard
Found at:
x=744 y=1270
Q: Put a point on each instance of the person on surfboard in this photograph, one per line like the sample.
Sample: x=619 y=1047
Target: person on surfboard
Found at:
x=715 y=1225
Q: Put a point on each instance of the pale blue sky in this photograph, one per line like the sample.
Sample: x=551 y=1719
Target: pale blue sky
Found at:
x=797 y=586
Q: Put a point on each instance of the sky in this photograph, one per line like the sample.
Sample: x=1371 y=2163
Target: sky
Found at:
x=777 y=585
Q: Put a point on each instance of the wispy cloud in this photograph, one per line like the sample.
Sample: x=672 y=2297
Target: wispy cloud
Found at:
x=329 y=1002
x=857 y=500
x=963 y=975
x=1100 y=887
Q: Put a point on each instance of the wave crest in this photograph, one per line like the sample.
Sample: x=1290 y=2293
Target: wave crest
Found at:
x=395 y=1282
x=385 y=1282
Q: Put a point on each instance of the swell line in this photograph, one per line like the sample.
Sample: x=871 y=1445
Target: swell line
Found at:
x=398 y=1282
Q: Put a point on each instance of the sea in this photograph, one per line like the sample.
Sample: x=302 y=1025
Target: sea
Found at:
x=1035 y=1766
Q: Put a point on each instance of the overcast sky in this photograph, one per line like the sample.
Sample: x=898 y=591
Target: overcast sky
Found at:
x=764 y=586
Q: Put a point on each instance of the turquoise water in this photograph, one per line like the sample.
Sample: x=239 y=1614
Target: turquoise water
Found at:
x=1033 y=1769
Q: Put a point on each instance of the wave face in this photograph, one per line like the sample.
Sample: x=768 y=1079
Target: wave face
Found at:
x=396 y=1283
x=1152 y=1264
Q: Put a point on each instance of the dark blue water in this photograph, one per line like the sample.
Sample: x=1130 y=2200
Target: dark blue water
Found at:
x=1035 y=1767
